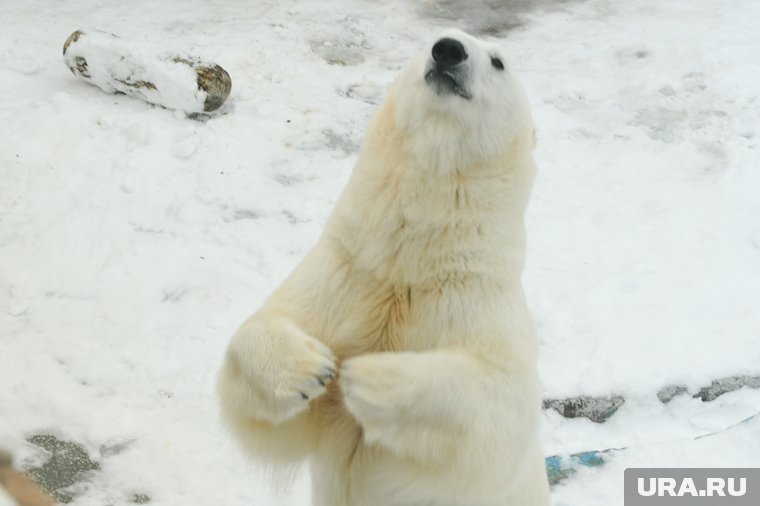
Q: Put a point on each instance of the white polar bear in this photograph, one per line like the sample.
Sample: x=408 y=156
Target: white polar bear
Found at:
x=400 y=356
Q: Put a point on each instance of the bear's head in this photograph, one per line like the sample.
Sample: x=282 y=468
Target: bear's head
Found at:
x=460 y=103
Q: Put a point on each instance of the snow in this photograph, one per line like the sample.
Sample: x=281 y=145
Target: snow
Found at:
x=641 y=225
x=133 y=240
x=725 y=449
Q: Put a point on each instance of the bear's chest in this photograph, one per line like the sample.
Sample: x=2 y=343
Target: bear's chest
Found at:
x=385 y=317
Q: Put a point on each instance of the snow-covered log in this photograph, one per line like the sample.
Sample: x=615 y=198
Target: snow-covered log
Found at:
x=146 y=71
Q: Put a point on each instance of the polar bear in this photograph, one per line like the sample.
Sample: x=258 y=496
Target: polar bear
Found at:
x=399 y=357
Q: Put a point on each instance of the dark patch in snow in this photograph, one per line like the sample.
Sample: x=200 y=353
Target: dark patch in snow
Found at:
x=201 y=117
x=630 y=55
x=667 y=393
x=596 y=409
x=724 y=385
x=340 y=142
x=717 y=388
x=488 y=17
x=694 y=82
x=660 y=123
x=288 y=180
x=366 y=93
x=246 y=214
x=68 y=465
x=116 y=448
x=175 y=295
x=292 y=218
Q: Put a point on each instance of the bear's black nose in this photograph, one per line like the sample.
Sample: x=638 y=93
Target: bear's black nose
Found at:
x=449 y=52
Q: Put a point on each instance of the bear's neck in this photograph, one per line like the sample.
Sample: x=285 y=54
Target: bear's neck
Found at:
x=409 y=226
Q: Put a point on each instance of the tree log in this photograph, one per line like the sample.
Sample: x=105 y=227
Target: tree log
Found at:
x=145 y=71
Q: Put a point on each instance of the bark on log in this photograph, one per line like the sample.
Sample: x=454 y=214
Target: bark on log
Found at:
x=145 y=71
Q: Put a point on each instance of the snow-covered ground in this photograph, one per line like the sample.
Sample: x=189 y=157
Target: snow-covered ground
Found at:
x=133 y=240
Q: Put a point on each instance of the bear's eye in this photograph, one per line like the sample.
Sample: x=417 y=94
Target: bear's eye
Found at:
x=496 y=62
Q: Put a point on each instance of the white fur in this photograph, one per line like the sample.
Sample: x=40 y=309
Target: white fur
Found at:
x=413 y=293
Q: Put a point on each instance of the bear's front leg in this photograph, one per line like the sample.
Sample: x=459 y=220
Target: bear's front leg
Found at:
x=271 y=372
x=418 y=404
